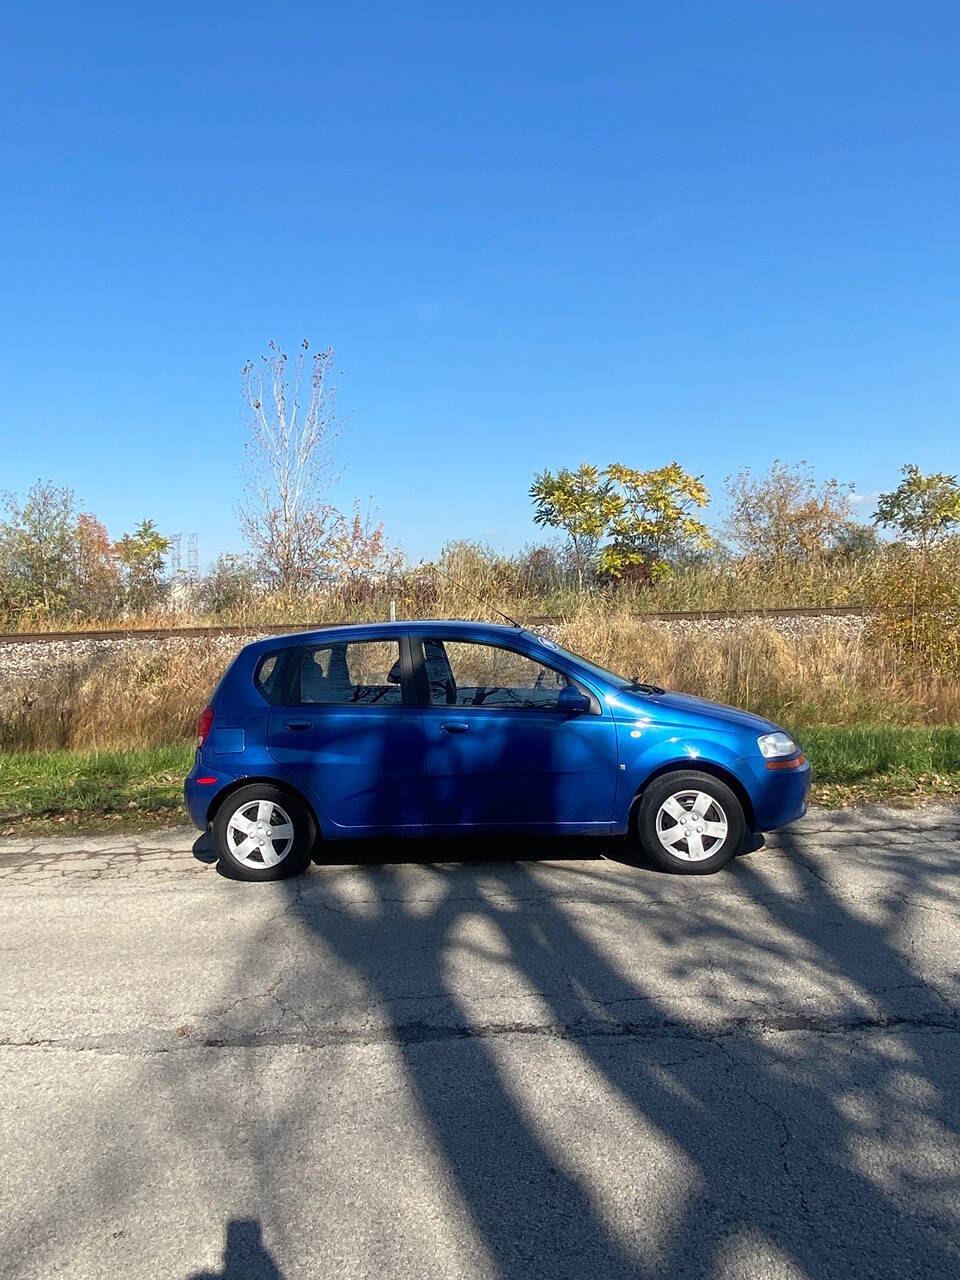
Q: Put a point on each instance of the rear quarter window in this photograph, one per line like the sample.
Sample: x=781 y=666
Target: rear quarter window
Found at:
x=269 y=677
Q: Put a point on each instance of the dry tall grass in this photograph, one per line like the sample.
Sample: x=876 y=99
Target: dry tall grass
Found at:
x=147 y=695
x=136 y=697
x=805 y=676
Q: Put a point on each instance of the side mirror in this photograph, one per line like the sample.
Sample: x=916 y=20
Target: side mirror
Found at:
x=570 y=699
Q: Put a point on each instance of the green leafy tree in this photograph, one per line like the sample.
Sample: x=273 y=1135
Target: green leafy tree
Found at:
x=922 y=508
x=36 y=548
x=653 y=520
x=54 y=562
x=142 y=555
x=581 y=503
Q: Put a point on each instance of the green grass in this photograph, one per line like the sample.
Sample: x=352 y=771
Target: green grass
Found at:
x=81 y=789
x=852 y=765
x=129 y=790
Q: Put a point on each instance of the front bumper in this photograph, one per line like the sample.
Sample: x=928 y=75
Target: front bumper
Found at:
x=779 y=796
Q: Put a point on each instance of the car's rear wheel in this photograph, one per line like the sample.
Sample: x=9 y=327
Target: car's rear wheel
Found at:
x=263 y=832
x=690 y=823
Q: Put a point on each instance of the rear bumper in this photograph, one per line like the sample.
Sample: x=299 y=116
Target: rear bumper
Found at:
x=779 y=796
x=197 y=795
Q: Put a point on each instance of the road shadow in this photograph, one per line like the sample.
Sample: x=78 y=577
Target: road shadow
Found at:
x=771 y=1031
x=245 y=1256
x=779 y=1153
x=476 y=850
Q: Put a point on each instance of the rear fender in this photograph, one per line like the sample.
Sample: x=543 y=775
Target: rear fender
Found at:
x=279 y=778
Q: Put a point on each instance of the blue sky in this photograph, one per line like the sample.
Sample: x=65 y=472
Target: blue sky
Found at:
x=534 y=234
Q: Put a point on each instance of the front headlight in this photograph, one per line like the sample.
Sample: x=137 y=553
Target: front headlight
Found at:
x=777 y=744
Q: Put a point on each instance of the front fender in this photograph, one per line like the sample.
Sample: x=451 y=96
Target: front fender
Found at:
x=642 y=759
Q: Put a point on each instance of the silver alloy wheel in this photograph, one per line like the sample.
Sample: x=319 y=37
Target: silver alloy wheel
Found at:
x=260 y=833
x=691 y=825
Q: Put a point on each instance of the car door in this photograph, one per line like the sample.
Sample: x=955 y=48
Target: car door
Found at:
x=499 y=749
x=351 y=735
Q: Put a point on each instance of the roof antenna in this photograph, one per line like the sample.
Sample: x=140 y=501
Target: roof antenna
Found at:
x=478 y=598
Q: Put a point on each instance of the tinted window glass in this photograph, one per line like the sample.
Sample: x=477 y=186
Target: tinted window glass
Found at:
x=269 y=675
x=462 y=674
x=604 y=673
x=363 y=673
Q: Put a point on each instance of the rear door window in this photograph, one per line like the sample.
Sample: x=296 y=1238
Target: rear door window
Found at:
x=351 y=673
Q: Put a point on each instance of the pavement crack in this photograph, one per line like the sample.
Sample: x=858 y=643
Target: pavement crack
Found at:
x=785 y=1138
x=419 y=1032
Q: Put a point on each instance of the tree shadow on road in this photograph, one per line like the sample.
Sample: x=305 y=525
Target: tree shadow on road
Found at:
x=761 y=1081
x=783 y=1113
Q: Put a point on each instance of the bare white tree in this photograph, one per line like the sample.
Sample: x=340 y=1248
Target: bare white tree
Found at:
x=290 y=466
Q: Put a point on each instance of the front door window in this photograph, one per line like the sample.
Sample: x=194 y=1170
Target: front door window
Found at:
x=465 y=674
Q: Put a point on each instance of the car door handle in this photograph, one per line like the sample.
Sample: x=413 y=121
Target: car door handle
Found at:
x=296 y=725
x=454 y=726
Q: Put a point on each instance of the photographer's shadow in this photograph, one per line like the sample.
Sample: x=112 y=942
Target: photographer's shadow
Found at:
x=245 y=1257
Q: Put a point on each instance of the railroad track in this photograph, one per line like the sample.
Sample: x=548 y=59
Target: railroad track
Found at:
x=172 y=633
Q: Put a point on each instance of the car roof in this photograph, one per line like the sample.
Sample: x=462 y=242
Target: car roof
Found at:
x=493 y=631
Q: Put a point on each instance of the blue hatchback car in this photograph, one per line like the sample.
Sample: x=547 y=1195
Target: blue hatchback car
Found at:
x=413 y=728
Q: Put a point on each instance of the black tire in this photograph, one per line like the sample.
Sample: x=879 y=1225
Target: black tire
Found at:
x=291 y=860
x=702 y=851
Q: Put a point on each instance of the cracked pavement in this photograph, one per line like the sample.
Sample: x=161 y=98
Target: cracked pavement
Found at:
x=485 y=1059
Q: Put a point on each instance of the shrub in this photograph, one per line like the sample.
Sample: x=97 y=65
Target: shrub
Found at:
x=916 y=595
x=229 y=588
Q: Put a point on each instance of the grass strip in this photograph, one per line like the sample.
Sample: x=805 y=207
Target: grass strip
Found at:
x=131 y=790
x=82 y=790
x=887 y=762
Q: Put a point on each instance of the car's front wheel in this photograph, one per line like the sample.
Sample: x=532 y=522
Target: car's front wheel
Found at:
x=263 y=832
x=690 y=822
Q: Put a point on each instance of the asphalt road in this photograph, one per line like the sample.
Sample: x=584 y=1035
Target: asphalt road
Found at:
x=546 y=1061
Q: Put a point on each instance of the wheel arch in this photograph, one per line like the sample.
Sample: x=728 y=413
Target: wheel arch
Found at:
x=216 y=804
x=697 y=766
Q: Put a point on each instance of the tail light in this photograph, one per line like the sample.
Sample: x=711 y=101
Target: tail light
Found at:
x=203 y=725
